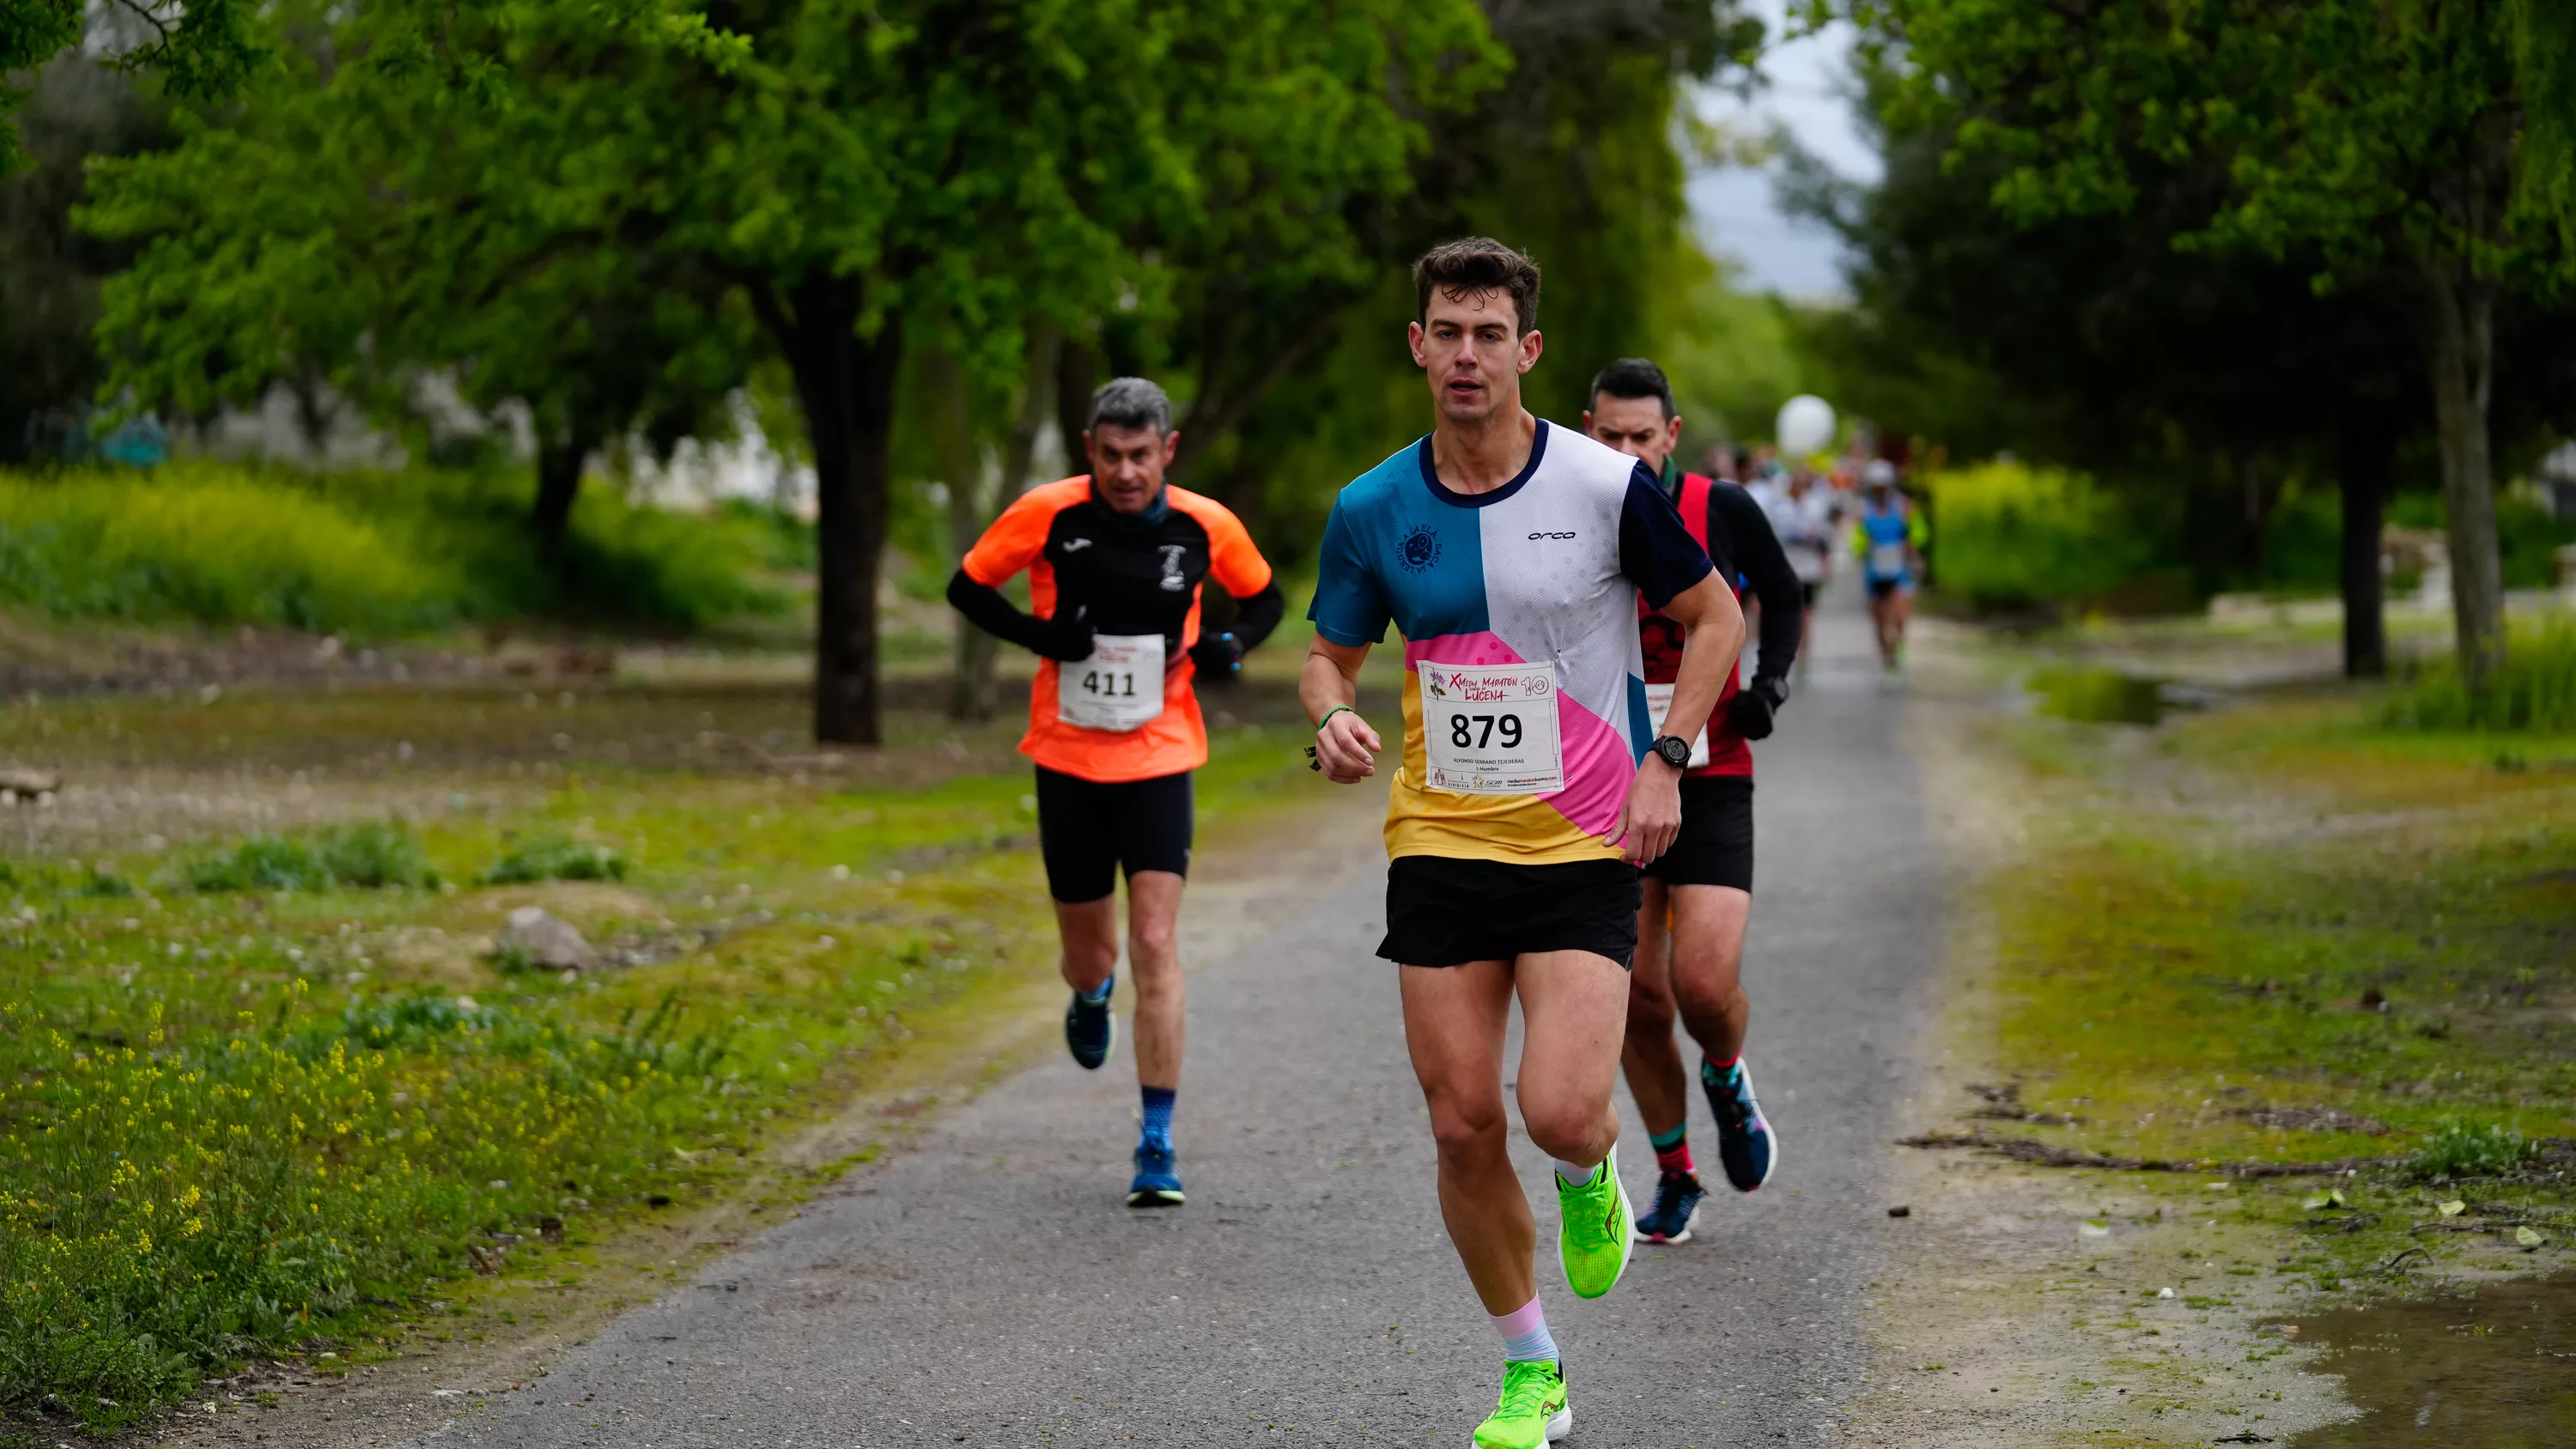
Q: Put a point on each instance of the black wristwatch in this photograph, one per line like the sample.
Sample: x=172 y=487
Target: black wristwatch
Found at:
x=1675 y=751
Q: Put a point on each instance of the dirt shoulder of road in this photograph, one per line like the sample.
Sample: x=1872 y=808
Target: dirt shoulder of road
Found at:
x=2029 y=1306
x=506 y=1332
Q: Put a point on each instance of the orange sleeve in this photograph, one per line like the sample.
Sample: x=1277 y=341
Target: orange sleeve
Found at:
x=1235 y=565
x=1019 y=536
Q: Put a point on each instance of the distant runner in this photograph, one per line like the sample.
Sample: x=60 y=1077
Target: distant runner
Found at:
x=1702 y=889
x=1889 y=538
x=1511 y=555
x=1115 y=558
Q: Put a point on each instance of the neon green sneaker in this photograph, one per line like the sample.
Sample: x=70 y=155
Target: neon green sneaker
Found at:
x=1533 y=1412
x=1595 y=1235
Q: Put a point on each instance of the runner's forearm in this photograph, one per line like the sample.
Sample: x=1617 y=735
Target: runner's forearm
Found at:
x=1716 y=636
x=1256 y=616
x=987 y=610
x=1325 y=684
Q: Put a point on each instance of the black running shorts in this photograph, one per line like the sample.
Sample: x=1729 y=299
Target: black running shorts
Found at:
x=1715 y=846
x=1443 y=912
x=1087 y=830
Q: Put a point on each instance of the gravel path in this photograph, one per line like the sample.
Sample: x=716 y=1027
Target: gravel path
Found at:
x=986 y=1287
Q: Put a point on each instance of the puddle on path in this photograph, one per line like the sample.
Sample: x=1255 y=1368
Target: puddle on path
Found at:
x=2097 y=696
x=2493 y=1369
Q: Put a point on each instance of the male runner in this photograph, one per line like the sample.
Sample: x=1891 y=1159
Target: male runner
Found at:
x=1115 y=558
x=1511 y=555
x=1703 y=886
x=1888 y=538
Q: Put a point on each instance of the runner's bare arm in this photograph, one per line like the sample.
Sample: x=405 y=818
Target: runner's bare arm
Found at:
x=1328 y=682
x=1652 y=814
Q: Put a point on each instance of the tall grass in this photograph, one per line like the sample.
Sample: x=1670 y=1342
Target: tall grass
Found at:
x=2535 y=692
x=362 y=554
x=2008 y=536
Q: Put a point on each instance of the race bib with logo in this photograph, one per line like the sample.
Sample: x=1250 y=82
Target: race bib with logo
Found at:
x=1490 y=729
x=1887 y=560
x=1659 y=702
x=1118 y=689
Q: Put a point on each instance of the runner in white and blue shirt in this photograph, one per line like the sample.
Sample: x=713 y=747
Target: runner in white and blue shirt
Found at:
x=1533 y=780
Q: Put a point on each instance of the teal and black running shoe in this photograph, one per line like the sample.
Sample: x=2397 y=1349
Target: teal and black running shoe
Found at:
x=1744 y=1141
x=1090 y=1028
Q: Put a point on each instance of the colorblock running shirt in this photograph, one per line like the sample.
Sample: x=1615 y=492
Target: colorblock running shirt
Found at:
x=1882 y=535
x=1134 y=574
x=1546 y=568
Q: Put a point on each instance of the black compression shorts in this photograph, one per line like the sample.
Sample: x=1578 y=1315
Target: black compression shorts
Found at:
x=1715 y=846
x=1443 y=912
x=1087 y=830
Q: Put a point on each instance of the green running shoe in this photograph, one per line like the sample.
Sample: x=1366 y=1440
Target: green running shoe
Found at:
x=1594 y=1239
x=1533 y=1413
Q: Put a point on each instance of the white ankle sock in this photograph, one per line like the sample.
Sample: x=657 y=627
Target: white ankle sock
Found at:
x=1573 y=1174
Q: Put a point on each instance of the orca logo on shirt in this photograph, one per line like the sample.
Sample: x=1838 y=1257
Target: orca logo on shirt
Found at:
x=1535 y=537
x=1421 y=549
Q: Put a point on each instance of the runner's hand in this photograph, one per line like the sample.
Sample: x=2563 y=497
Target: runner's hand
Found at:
x=1217 y=655
x=1749 y=714
x=1347 y=749
x=1066 y=640
x=1652 y=814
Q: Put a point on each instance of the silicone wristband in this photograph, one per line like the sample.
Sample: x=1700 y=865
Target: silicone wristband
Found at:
x=1328 y=716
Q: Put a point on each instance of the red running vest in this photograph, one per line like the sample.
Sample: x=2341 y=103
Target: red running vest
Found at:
x=1661 y=641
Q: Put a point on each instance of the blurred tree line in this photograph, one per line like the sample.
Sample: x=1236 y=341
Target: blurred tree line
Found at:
x=2206 y=250
x=915 y=234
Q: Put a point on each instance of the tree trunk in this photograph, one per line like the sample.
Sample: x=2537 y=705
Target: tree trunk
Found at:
x=2367 y=448
x=2257 y=518
x=1077 y=371
x=846 y=385
x=2462 y=307
x=559 y=462
x=971 y=695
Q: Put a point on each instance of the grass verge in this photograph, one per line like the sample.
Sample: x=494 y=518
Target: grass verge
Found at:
x=2288 y=934
x=273 y=1120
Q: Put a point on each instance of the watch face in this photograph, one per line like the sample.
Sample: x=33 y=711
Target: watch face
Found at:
x=1675 y=750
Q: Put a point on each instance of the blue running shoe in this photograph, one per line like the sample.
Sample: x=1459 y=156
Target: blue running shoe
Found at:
x=1677 y=1196
x=1744 y=1141
x=1090 y=1028
x=1157 y=1184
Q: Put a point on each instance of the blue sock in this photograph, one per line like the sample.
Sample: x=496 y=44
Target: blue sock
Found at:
x=1158 y=1116
x=1101 y=995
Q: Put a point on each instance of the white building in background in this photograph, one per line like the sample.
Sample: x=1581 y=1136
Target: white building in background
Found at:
x=2558 y=477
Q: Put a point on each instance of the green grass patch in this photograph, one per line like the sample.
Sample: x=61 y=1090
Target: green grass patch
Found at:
x=2534 y=693
x=2011 y=536
x=287 y=1114
x=369 y=855
x=365 y=554
x=552 y=855
x=2334 y=943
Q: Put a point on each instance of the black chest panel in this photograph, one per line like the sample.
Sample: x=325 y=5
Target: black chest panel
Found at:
x=1134 y=576
x=1660 y=639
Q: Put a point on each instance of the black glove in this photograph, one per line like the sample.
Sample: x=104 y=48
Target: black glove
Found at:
x=1218 y=656
x=1750 y=713
x=1066 y=639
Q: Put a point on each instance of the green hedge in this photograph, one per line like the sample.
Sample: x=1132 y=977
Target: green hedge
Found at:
x=362 y=554
x=2010 y=536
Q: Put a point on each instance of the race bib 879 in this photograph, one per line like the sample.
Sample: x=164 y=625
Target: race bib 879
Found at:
x=1490 y=729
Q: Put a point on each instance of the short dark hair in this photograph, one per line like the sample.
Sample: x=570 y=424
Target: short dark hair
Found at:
x=1131 y=402
x=1477 y=264
x=1635 y=377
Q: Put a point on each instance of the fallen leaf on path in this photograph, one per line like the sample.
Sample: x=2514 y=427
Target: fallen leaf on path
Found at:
x=2528 y=1238
x=2453 y=1208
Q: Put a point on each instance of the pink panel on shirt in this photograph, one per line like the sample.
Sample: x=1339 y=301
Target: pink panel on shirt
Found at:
x=1598 y=765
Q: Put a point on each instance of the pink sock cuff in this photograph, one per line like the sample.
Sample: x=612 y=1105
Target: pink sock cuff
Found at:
x=1528 y=1318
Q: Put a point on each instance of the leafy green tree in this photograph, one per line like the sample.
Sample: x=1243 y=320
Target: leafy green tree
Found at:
x=203 y=50
x=2373 y=133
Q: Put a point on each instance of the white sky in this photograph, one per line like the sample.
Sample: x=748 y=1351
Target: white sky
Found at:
x=1808 y=94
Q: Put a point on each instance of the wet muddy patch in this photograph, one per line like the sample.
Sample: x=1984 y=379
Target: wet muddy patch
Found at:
x=2494 y=1367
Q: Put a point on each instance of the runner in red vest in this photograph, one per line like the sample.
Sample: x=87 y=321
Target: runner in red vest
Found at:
x=1699 y=894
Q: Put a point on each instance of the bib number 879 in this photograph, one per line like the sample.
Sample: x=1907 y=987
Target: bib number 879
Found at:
x=1477 y=731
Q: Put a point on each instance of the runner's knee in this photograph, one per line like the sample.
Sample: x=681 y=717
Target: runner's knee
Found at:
x=1650 y=1006
x=1468 y=1132
x=1571 y=1130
